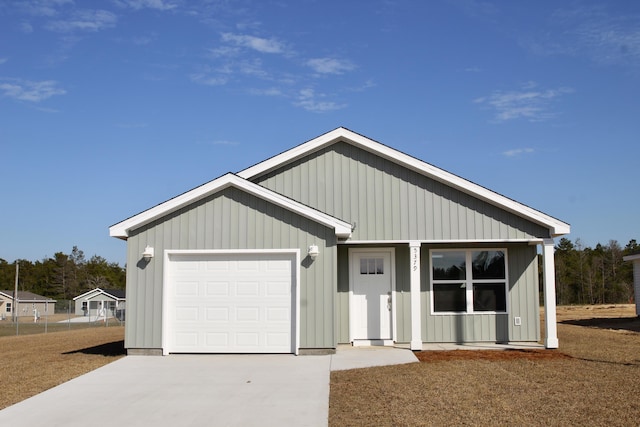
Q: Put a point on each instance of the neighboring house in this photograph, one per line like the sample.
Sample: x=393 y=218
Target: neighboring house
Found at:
x=93 y=302
x=635 y=258
x=338 y=240
x=29 y=304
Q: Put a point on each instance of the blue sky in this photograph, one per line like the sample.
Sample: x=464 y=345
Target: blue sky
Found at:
x=108 y=108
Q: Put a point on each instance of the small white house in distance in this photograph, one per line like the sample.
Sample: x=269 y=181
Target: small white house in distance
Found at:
x=29 y=304
x=635 y=258
x=93 y=302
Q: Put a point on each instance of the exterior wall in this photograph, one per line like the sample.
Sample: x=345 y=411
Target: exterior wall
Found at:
x=3 y=308
x=522 y=301
x=231 y=219
x=26 y=309
x=389 y=202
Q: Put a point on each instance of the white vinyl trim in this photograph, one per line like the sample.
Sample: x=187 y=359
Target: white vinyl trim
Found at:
x=165 y=278
x=556 y=227
x=122 y=229
x=445 y=241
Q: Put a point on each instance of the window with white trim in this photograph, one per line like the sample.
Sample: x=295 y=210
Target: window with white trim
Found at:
x=372 y=266
x=8 y=307
x=469 y=281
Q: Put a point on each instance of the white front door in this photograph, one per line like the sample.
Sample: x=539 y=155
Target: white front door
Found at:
x=371 y=299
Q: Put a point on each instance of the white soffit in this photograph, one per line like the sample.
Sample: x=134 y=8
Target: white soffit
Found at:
x=121 y=229
x=556 y=227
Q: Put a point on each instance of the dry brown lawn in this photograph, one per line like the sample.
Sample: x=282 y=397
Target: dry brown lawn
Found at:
x=30 y=364
x=593 y=379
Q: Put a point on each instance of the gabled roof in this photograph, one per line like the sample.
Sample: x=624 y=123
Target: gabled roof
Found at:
x=341 y=134
x=118 y=294
x=122 y=229
x=631 y=257
x=25 y=296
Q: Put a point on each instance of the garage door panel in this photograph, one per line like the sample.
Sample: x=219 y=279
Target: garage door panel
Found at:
x=231 y=303
x=217 y=314
x=248 y=289
x=217 y=288
x=187 y=288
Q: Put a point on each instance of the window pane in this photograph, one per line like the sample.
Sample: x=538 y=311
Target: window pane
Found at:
x=449 y=297
x=371 y=265
x=448 y=265
x=379 y=266
x=488 y=265
x=489 y=297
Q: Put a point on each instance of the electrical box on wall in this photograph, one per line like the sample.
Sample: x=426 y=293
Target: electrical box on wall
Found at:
x=517 y=321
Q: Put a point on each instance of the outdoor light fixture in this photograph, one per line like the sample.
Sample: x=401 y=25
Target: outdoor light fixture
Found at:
x=148 y=253
x=313 y=251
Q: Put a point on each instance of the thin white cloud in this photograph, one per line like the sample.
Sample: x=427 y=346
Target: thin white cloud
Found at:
x=84 y=20
x=42 y=7
x=518 y=152
x=308 y=99
x=525 y=103
x=330 y=65
x=3 y=60
x=24 y=90
x=148 y=4
x=273 y=91
x=592 y=32
x=259 y=44
x=26 y=28
x=209 y=79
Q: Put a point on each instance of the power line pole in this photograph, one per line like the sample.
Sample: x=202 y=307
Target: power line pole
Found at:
x=15 y=297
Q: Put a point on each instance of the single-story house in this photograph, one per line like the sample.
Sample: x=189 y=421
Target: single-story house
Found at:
x=338 y=240
x=100 y=302
x=635 y=258
x=29 y=304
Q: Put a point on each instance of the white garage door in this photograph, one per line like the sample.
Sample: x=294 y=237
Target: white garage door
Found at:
x=231 y=303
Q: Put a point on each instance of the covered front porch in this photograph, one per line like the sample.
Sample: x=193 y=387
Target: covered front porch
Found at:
x=404 y=313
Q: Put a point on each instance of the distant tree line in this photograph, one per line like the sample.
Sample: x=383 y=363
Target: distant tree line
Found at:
x=596 y=275
x=64 y=276
x=584 y=275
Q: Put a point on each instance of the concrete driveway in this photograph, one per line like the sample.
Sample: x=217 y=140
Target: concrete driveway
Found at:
x=199 y=390
x=186 y=390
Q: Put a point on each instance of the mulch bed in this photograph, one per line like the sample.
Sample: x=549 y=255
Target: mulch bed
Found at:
x=508 y=354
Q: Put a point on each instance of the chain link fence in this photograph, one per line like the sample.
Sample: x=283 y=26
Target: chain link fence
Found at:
x=64 y=315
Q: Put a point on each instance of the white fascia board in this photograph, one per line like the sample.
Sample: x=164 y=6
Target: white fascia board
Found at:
x=87 y=293
x=631 y=257
x=556 y=227
x=121 y=230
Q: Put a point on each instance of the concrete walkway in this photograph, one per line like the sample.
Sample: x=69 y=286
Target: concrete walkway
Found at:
x=199 y=390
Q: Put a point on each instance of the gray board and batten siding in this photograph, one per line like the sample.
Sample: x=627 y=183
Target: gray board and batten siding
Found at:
x=232 y=219
x=389 y=202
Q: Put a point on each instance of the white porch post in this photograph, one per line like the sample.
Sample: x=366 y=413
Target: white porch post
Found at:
x=549 y=278
x=414 y=277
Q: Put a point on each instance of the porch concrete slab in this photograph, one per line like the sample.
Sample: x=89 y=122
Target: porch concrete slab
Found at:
x=483 y=346
x=186 y=390
x=349 y=357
